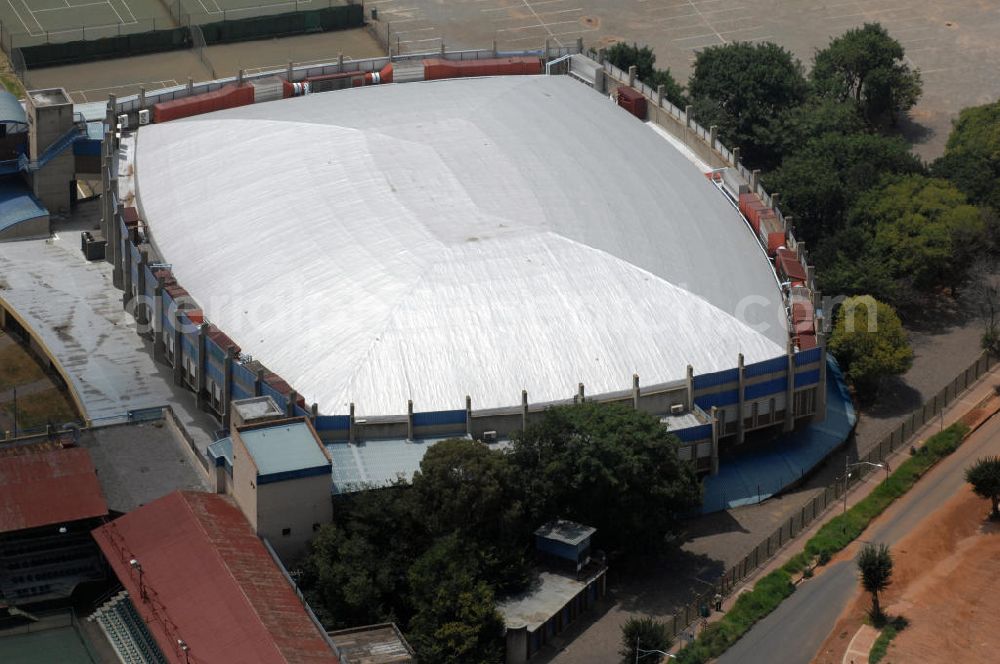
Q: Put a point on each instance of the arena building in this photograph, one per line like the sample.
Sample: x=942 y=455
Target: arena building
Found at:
x=411 y=261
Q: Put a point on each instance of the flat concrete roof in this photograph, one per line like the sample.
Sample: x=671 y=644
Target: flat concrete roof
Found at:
x=283 y=448
x=541 y=602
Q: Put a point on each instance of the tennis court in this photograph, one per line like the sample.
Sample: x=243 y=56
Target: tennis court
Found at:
x=33 y=22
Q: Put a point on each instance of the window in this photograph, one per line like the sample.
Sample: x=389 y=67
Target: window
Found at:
x=285 y=532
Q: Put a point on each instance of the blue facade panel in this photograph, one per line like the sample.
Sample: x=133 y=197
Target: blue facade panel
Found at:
x=332 y=423
x=244 y=379
x=807 y=357
x=439 y=417
x=214 y=372
x=768 y=387
x=555 y=548
x=718 y=399
x=715 y=379
x=806 y=378
x=279 y=398
x=775 y=365
x=691 y=434
x=239 y=392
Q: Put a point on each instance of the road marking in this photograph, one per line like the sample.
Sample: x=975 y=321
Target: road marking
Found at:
x=543 y=24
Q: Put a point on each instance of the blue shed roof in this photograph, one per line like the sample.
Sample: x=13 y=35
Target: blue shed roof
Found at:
x=17 y=204
x=11 y=109
x=284 y=451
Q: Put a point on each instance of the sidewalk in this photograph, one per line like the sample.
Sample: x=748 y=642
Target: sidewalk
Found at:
x=979 y=403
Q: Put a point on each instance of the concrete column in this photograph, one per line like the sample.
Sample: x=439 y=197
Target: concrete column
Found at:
x=350 y=424
x=579 y=44
x=546 y=49
x=178 y=350
x=409 y=419
x=741 y=403
x=790 y=390
x=107 y=208
x=258 y=384
x=821 y=387
x=190 y=86
x=239 y=77
x=715 y=440
x=340 y=62
x=688 y=115
x=602 y=56
x=736 y=156
x=199 y=379
x=113 y=118
x=786 y=223
x=293 y=396
x=314 y=411
x=600 y=81
x=661 y=91
x=468 y=414
x=141 y=307
x=633 y=71
x=713 y=136
x=754 y=180
x=580 y=392
x=635 y=391
x=159 y=349
x=227 y=387
x=142 y=96
x=290 y=71
x=524 y=409
x=690 y=387
x=126 y=276
x=494 y=48
x=516 y=646
x=117 y=278
x=810 y=275
x=775 y=197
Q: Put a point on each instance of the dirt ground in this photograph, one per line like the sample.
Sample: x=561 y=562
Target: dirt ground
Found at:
x=944 y=578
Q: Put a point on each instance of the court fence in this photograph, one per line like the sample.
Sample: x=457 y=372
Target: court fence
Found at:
x=901 y=435
x=143 y=37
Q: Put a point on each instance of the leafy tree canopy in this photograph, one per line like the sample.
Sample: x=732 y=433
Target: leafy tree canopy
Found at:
x=820 y=182
x=972 y=157
x=875 y=567
x=646 y=633
x=984 y=476
x=608 y=466
x=623 y=56
x=869 y=341
x=746 y=89
x=865 y=65
x=922 y=229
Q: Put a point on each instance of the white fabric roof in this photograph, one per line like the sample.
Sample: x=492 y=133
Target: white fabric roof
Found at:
x=430 y=240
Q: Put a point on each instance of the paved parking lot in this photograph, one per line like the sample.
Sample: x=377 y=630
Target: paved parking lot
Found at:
x=953 y=44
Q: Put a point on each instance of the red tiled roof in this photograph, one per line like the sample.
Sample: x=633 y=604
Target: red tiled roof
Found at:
x=48 y=487
x=210 y=581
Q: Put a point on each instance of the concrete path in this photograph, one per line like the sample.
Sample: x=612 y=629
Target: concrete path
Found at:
x=71 y=307
x=861 y=645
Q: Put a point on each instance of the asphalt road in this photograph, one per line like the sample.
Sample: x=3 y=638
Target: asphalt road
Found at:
x=794 y=633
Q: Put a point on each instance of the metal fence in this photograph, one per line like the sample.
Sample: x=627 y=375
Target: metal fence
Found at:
x=899 y=437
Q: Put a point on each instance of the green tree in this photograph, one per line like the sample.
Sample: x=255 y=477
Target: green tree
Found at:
x=815 y=118
x=822 y=180
x=623 y=56
x=456 y=621
x=746 y=90
x=922 y=229
x=355 y=572
x=644 y=634
x=607 y=466
x=869 y=341
x=875 y=567
x=984 y=476
x=866 y=65
x=971 y=159
x=466 y=488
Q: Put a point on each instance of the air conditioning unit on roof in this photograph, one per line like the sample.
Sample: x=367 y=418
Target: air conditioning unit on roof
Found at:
x=123 y=121
x=677 y=409
x=144 y=117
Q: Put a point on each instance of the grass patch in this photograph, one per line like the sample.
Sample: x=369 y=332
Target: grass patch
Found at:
x=41 y=408
x=836 y=534
x=888 y=633
x=17 y=366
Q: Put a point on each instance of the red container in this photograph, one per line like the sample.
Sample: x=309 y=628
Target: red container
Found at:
x=805 y=327
x=632 y=101
x=789 y=266
x=746 y=200
x=221 y=339
x=806 y=341
x=802 y=310
x=439 y=68
x=229 y=96
x=775 y=240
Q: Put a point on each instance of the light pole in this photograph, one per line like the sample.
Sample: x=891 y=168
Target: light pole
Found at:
x=639 y=656
x=847 y=473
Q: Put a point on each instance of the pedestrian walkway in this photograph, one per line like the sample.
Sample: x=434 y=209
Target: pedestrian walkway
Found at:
x=861 y=645
x=71 y=308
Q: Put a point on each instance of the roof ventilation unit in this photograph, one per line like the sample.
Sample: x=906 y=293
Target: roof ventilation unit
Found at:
x=677 y=409
x=489 y=437
x=144 y=117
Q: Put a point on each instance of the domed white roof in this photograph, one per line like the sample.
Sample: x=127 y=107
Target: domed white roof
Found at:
x=430 y=240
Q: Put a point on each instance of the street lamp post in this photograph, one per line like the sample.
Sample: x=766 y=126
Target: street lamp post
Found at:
x=847 y=472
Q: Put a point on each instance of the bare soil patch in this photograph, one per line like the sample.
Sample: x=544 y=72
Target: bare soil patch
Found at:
x=944 y=579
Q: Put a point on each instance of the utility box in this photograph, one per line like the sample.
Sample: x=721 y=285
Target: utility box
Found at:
x=50 y=119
